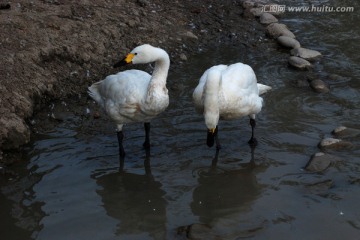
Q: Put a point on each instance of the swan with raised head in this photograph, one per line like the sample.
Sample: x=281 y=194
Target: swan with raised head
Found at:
x=134 y=95
x=228 y=92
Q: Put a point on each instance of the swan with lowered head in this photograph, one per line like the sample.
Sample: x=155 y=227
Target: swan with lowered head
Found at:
x=134 y=95
x=228 y=92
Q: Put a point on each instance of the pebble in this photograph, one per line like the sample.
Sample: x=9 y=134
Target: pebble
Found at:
x=299 y=63
x=183 y=57
x=334 y=143
x=276 y=30
x=320 y=162
x=319 y=86
x=190 y=35
x=305 y=53
x=288 y=42
x=267 y=18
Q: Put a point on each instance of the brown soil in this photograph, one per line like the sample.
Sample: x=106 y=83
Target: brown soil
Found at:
x=54 y=49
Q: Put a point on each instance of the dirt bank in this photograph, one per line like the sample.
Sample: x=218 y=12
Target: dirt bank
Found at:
x=54 y=49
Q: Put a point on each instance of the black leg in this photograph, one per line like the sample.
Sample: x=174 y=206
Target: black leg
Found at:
x=218 y=145
x=252 y=141
x=147 y=135
x=120 y=136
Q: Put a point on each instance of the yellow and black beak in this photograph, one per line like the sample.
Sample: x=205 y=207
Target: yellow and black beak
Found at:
x=210 y=140
x=127 y=60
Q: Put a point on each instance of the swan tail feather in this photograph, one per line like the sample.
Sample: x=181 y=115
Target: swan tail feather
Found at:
x=263 y=88
x=93 y=92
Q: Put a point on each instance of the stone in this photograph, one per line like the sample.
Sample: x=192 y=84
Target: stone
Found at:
x=288 y=42
x=248 y=4
x=305 y=53
x=276 y=30
x=267 y=18
x=319 y=162
x=299 y=63
x=190 y=35
x=183 y=57
x=257 y=11
x=319 y=86
x=345 y=132
x=200 y=231
x=334 y=143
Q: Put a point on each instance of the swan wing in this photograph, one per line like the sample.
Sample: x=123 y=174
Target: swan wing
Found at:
x=122 y=94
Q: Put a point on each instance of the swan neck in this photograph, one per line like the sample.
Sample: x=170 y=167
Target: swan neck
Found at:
x=161 y=69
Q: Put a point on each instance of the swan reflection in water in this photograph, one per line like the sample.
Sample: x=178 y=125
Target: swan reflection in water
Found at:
x=224 y=192
x=136 y=200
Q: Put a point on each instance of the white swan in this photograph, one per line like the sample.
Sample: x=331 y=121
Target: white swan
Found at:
x=134 y=95
x=228 y=92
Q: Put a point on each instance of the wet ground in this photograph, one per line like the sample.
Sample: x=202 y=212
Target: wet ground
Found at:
x=70 y=187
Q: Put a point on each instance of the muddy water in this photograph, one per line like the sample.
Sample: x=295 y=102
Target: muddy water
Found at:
x=70 y=187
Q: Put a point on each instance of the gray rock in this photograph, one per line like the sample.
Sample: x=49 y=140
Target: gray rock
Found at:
x=276 y=30
x=320 y=186
x=267 y=18
x=299 y=63
x=305 y=53
x=256 y=11
x=319 y=86
x=200 y=231
x=288 y=42
x=248 y=4
x=190 y=35
x=183 y=57
x=334 y=143
x=345 y=132
x=320 y=162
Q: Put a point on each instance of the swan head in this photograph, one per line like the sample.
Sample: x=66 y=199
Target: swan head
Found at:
x=141 y=55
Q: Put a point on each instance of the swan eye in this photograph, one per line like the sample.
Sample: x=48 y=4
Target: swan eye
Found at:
x=135 y=54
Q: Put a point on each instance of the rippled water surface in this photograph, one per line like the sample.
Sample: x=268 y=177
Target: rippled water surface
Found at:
x=70 y=186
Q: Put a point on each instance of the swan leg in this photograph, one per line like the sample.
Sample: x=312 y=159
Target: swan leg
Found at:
x=120 y=136
x=217 y=141
x=147 y=135
x=252 y=141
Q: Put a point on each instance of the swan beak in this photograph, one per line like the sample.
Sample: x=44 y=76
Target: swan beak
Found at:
x=210 y=137
x=127 y=60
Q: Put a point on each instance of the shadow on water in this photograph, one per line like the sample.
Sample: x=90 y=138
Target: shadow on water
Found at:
x=135 y=200
x=221 y=192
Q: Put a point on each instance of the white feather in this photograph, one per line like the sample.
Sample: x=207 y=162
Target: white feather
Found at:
x=134 y=95
x=228 y=92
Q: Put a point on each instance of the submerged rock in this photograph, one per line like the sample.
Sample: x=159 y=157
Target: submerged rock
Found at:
x=276 y=30
x=345 y=132
x=320 y=162
x=334 y=143
x=319 y=86
x=299 y=63
x=200 y=231
x=320 y=187
x=305 y=53
x=288 y=42
x=267 y=18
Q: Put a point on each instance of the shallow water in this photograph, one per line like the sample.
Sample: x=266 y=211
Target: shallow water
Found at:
x=70 y=186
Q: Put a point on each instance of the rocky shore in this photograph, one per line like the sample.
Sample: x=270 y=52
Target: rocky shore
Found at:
x=54 y=49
